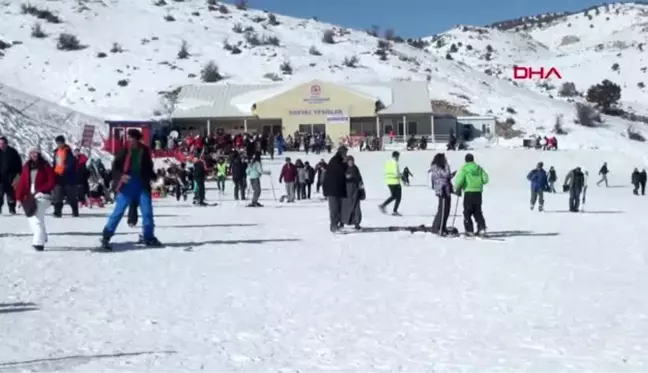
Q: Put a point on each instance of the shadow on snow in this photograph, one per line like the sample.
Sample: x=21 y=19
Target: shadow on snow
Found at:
x=586 y=212
x=491 y=234
x=98 y=234
x=17 y=307
x=120 y=247
x=82 y=358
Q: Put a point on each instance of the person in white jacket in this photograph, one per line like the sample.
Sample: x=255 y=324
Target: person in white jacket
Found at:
x=33 y=191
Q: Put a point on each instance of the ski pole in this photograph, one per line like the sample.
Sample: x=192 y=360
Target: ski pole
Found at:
x=274 y=194
x=454 y=215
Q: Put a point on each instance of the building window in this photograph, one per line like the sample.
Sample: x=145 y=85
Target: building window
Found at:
x=412 y=128
x=313 y=128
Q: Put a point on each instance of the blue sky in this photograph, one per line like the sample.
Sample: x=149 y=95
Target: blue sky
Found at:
x=415 y=18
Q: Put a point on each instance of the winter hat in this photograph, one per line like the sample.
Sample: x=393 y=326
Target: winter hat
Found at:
x=469 y=158
x=59 y=139
x=540 y=164
x=35 y=149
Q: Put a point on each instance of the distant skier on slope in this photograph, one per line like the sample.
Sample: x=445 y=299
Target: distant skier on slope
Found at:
x=642 y=181
x=603 y=172
x=634 y=179
x=471 y=179
x=539 y=183
x=553 y=177
x=406 y=176
x=574 y=183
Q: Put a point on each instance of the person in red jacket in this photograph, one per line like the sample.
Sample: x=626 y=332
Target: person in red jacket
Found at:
x=288 y=176
x=33 y=192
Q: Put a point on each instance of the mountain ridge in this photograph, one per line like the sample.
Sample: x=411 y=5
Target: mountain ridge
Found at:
x=123 y=73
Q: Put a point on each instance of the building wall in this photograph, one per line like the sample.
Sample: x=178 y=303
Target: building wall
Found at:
x=417 y=124
x=443 y=126
x=317 y=103
x=480 y=125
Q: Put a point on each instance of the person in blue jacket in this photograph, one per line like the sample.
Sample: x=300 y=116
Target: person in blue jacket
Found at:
x=539 y=183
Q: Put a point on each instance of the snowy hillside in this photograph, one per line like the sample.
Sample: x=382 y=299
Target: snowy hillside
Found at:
x=583 y=46
x=105 y=69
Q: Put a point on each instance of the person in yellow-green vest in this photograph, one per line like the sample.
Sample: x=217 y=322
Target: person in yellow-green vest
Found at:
x=221 y=174
x=393 y=181
x=471 y=179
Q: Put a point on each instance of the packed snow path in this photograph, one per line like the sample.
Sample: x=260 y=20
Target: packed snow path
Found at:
x=272 y=290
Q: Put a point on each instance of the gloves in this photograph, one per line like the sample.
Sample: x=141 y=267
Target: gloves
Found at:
x=458 y=192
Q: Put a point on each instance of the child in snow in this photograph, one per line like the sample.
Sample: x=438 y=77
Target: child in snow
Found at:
x=406 y=175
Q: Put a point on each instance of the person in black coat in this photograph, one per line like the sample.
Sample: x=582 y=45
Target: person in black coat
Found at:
x=642 y=181
x=335 y=188
x=199 y=176
x=635 y=180
x=237 y=169
x=10 y=169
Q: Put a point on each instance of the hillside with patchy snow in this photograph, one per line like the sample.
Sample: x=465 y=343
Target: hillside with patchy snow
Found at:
x=114 y=58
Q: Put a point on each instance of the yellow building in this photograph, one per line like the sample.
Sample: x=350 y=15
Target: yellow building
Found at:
x=336 y=109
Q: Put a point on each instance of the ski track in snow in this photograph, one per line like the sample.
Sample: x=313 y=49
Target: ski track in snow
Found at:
x=272 y=290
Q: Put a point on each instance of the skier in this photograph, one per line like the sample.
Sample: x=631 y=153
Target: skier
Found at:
x=441 y=177
x=406 y=176
x=603 y=172
x=471 y=179
x=539 y=182
x=574 y=183
x=335 y=187
x=238 y=170
x=133 y=172
x=288 y=176
x=200 y=175
x=221 y=173
x=310 y=177
x=553 y=177
x=635 y=180
x=642 y=181
x=254 y=171
x=393 y=181
x=320 y=170
x=10 y=168
x=33 y=190
x=65 y=167
x=351 y=211
x=301 y=179
x=83 y=177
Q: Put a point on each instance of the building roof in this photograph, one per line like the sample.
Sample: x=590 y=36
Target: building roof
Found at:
x=235 y=101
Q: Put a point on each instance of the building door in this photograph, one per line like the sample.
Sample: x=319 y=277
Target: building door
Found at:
x=319 y=128
x=401 y=129
x=272 y=129
x=312 y=128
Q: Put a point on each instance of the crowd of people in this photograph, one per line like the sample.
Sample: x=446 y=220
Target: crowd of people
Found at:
x=132 y=182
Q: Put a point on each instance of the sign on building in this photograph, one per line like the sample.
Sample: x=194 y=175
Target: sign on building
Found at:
x=337 y=118
x=316 y=112
x=87 y=136
x=315 y=96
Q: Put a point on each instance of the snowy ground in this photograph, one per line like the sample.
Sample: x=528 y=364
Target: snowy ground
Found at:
x=271 y=290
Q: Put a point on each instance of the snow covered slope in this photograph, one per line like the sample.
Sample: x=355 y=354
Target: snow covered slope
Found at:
x=271 y=290
x=128 y=52
x=27 y=121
